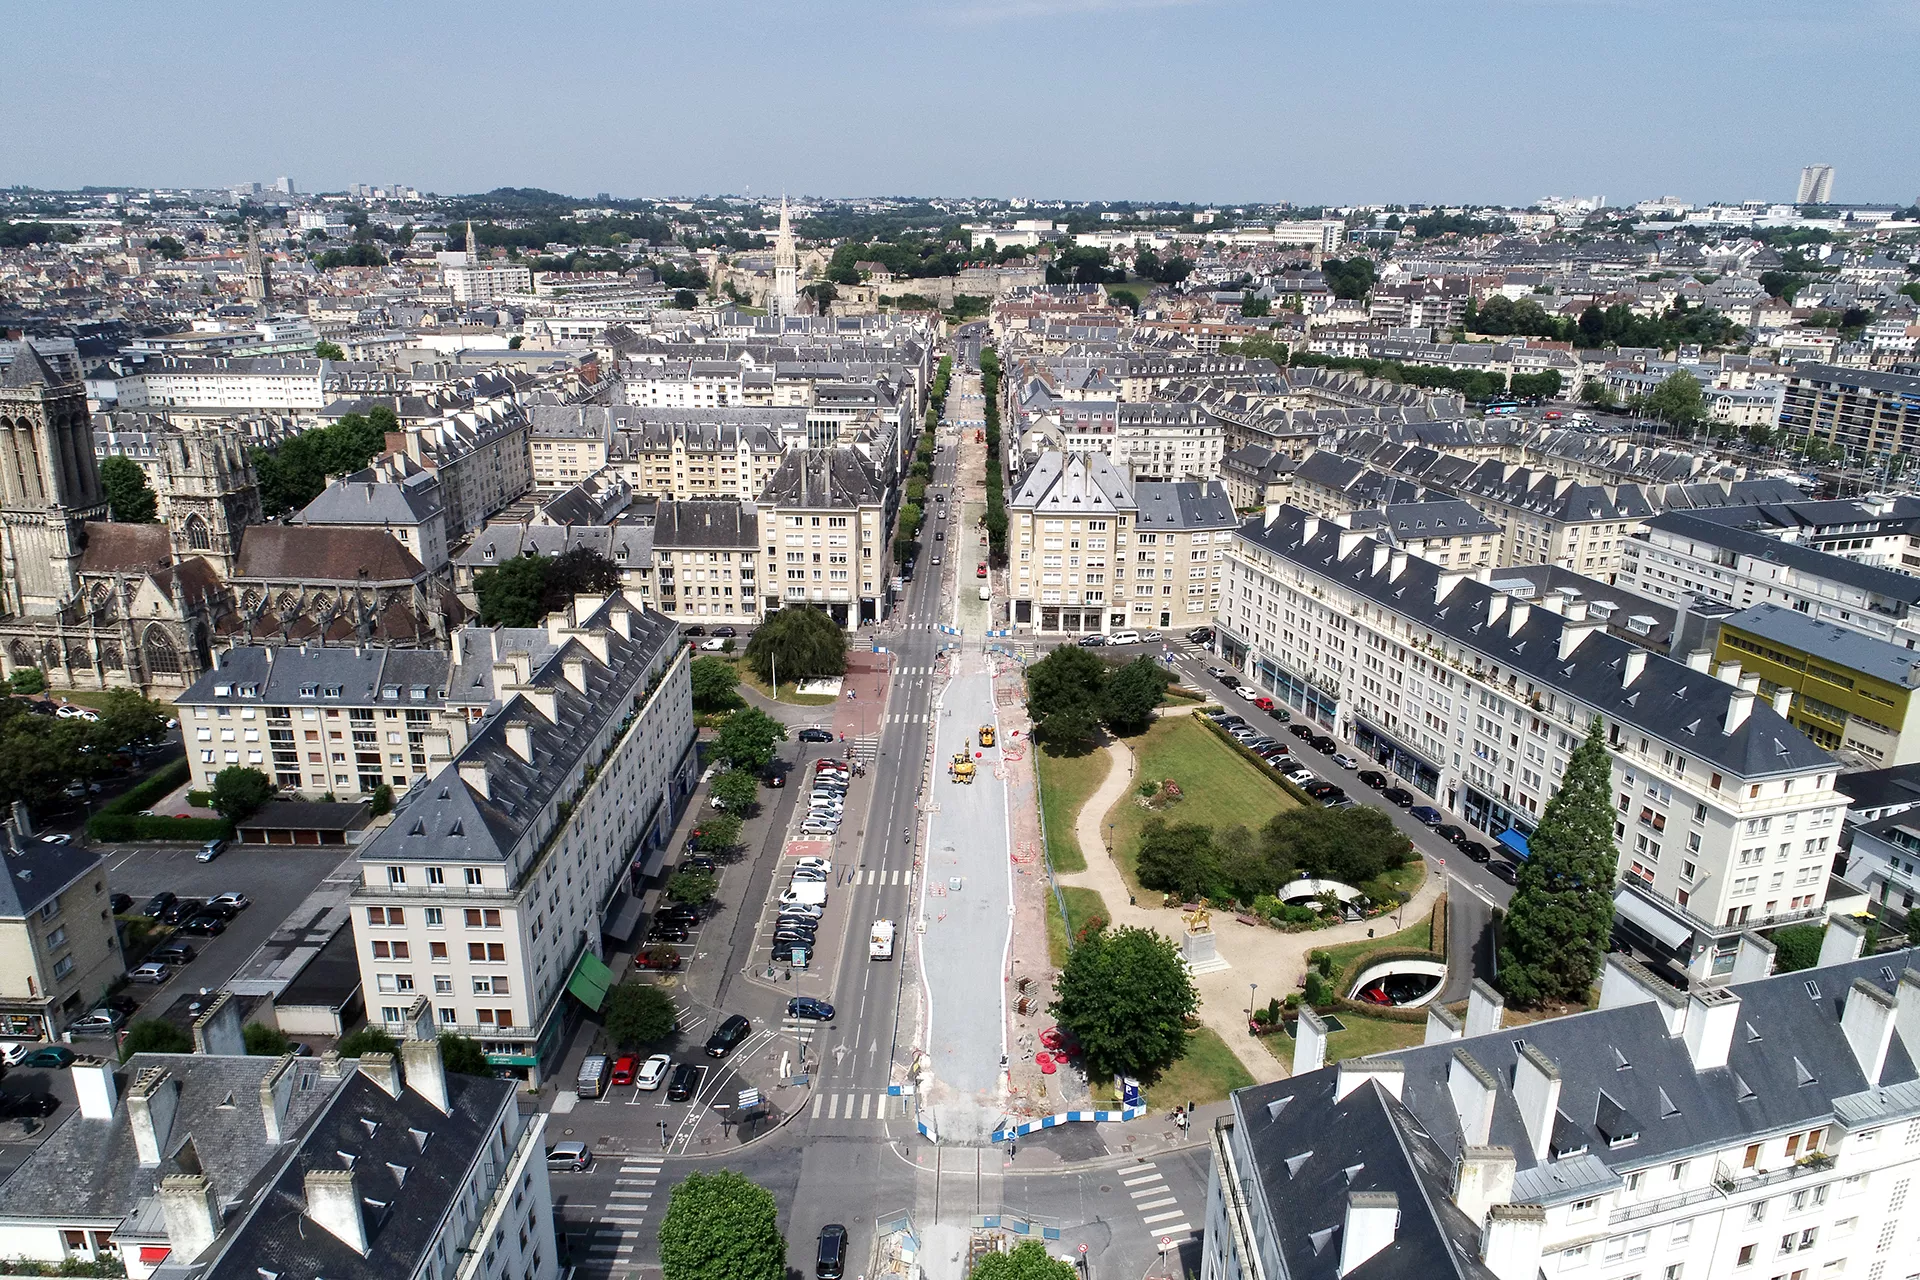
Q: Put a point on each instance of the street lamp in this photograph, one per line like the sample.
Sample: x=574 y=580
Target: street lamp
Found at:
x=1252 y=987
x=1109 y=839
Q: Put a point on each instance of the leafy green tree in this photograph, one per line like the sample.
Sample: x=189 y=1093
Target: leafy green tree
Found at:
x=1595 y=392
x=129 y=499
x=126 y=718
x=1797 y=947
x=1782 y=284
x=1351 y=845
x=1561 y=916
x=747 y=738
x=720 y=1226
x=293 y=473
x=168 y=247
x=695 y=888
x=1252 y=306
x=737 y=790
x=822 y=293
x=1027 y=1260
x=638 y=1013
x=238 y=792
x=382 y=800
x=513 y=594
x=463 y=1055
x=801 y=643
x=1349 y=279
x=154 y=1035
x=1127 y=995
x=1677 y=400
x=27 y=680
x=264 y=1041
x=1126 y=703
x=1178 y=857
x=1068 y=677
x=368 y=1039
x=328 y=351
x=719 y=834
x=1069 y=730
x=714 y=682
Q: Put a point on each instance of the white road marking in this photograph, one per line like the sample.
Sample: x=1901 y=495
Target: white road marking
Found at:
x=1163 y=1217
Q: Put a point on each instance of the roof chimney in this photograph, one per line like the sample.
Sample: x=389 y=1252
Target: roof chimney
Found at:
x=151 y=1103
x=520 y=739
x=276 y=1090
x=1398 y=566
x=1510 y=1241
x=1442 y=1026
x=1700 y=660
x=333 y=1202
x=1536 y=1092
x=93 y=1082
x=1486 y=1009
x=1782 y=702
x=1271 y=514
x=192 y=1214
x=1517 y=616
x=1625 y=981
x=1482 y=1178
x=1309 y=1043
x=1350 y=542
x=1739 y=707
x=1867 y=1022
x=218 y=1030
x=1372 y=1219
x=1497 y=607
x=1630 y=670
x=1573 y=634
x=1354 y=1072
x=1754 y=960
x=1844 y=940
x=426 y=1071
x=1728 y=672
x=1309 y=528
x=1381 y=555
x=1712 y=1013
x=473 y=772
x=1447 y=581
x=574 y=670
x=383 y=1071
x=1473 y=1089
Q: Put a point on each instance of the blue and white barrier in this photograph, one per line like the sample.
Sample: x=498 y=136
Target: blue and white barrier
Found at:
x=1068 y=1117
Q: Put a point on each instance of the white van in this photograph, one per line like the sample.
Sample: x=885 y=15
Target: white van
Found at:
x=880 y=942
x=1124 y=637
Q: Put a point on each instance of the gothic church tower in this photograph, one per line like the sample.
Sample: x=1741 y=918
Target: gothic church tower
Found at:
x=785 y=300
x=49 y=482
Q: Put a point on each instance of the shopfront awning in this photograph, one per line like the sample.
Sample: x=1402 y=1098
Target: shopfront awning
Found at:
x=589 y=981
x=1515 y=840
x=1650 y=920
x=623 y=916
x=153 y=1255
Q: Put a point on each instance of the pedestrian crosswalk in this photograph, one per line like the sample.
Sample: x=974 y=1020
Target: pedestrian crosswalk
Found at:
x=884 y=878
x=612 y=1236
x=858 y=1104
x=866 y=747
x=1154 y=1201
x=914 y=671
x=909 y=717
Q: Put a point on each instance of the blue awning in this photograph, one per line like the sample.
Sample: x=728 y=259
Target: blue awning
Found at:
x=1515 y=840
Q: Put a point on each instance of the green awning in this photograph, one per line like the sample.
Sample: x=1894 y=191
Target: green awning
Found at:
x=589 y=981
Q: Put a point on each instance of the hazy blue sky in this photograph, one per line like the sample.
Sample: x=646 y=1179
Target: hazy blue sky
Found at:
x=1213 y=100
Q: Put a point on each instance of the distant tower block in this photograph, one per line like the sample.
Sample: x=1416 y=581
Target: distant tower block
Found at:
x=1816 y=184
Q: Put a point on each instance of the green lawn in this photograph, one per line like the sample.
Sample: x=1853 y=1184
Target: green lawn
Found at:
x=1208 y=1073
x=1222 y=786
x=786 y=693
x=1065 y=784
x=1416 y=935
x=1081 y=904
x=1363 y=1036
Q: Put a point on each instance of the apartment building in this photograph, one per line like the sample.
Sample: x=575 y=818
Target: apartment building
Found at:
x=1728 y=815
x=567 y=442
x=705 y=557
x=824 y=518
x=1863 y=411
x=1743 y=1132
x=1680 y=554
x=59 y=949
x=687 y=455
x=1091 y=550
x=486 y=281
x=237 y=383
x=317 y=719
x=1449 y=533
x=479 y=455
x=1851 y=693
x=394 y=496
x=490 y=890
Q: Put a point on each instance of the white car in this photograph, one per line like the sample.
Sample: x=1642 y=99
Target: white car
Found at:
x=653 y=1072
x=238 y=901
x=811 y=910
x=1247 y=691
x=1124 y=637
x=60 y=837
x=819 y=828
x=808 y=873
x=822 y=865
x=716 y=645
x=13 y=1053
x=1298 y=776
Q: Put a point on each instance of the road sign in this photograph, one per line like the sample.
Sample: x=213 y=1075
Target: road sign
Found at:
x=1166 y=1242
x=1083 y=1248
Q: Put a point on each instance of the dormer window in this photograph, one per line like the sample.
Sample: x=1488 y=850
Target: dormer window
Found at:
x=309 y=690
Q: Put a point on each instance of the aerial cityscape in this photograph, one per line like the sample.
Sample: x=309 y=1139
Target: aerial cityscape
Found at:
x=588 y=696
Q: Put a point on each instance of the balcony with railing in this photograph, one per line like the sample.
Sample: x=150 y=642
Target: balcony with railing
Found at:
x=1725 y=1186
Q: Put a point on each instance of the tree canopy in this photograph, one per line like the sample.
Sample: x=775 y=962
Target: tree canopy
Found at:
x=1028 y=1260
x=638 y=1013
x=293 y=473
x=41 y=755
x=1127 y=995
x=1349 y=279
x=238 y=792
x=801 y=643
x=1677 y=400
x=747 y=738
x=720 y=1226
x=154 y=1035
x=714 y=684
x=737 y=789
x=1353 y=845
x=463 y=1055
x=525 y=589
x=1071 y=692
x=129 y=499
x=1561 y=916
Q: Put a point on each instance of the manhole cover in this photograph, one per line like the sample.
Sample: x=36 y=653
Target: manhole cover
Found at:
x=1106 y=1189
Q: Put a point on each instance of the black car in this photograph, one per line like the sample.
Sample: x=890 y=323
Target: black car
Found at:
x=1200 y=635
x=728 y=1035
x=1092 y=641
x=158 y=904
x=1373 y=778
x=205 y=926
x=1321 y=742
x=684 y=1081
x=1455 y=836
x=815 y=735
x=37 y=1104
x=667 y=931
x=225 y=910
x=1400 y=796
x=123 y=1005
x=1301 y=731
x=1317 y=788
x=1505 y=870
x=1329 y=795
x=693 y=631
x=1475 y=851
x=182 y=909
x=678 y=913
x=784 y=943
x=831 y=1262
x=698 y=862
x=119 y=903
x=174 y=951
x=725 y=633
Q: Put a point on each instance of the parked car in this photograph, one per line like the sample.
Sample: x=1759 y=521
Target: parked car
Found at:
x=822 y=865
x=1223 y=673
x=51 y=1058
x=120 y=903
x=811 y=734
x=1475 y=851
x=810 y=1008
x=1333 y=797
x=1452 y=834
x=1280 y=713
x=1263 y=702
x=623 y=1068
x=1373 y=778
x=698 y=862
x=1092 y=640
x=1345 y=761
x=1317 y=788
x=1124 y=637
x=679 y=913
x=653 y=1072
x=569 y=1157
x=1200 y=635
x=101 y=1022
x=1246 y=691
x=13 y=1053
x=1400 y=796
x=667 y=931
x=1321 y=742
x=685 y=1081
x=205 y=925
x=1151 y=637
x=158 y=904
x=1426 y=813
x=152 y=971
x=1505 y=870
x=173 y=951
x=59 y=837
x=1301 y=731
x=725 y=633
x=812 y=910
x=1299 y=775
x=210 y=850
x=181 y=909
x=728 y=1035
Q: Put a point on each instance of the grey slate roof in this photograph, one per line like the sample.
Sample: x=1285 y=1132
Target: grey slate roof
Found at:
x=1669 y=700
x=1182 y=505
x=1819 y=564
x=628 y=544
x=1434 y=518
x=363 y=498
x=817 y=478
x=1841 y=646
x=37 y=870
x=1073 y=484
x=705 y=524
x=279 y=675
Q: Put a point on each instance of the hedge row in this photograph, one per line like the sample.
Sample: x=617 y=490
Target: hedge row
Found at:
x=119 y=818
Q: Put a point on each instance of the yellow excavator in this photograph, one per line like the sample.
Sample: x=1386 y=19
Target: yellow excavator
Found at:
x=960 y=768
x=986 y=735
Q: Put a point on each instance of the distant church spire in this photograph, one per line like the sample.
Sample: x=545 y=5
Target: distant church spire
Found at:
x=259 y=273
x=785 y=299
x=473 y=245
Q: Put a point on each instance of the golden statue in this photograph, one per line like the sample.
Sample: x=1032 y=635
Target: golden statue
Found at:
x=1199 y=920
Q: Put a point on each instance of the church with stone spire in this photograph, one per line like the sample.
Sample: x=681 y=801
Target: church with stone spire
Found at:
x=785 y=298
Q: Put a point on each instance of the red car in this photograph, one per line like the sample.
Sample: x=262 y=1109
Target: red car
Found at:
x=981 y=572
x=623 y=1069
x=1264 y=703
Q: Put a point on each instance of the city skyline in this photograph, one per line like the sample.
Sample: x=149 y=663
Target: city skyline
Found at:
x=1120 y=99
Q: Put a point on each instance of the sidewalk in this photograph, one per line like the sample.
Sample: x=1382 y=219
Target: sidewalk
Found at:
x=1276 y=961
